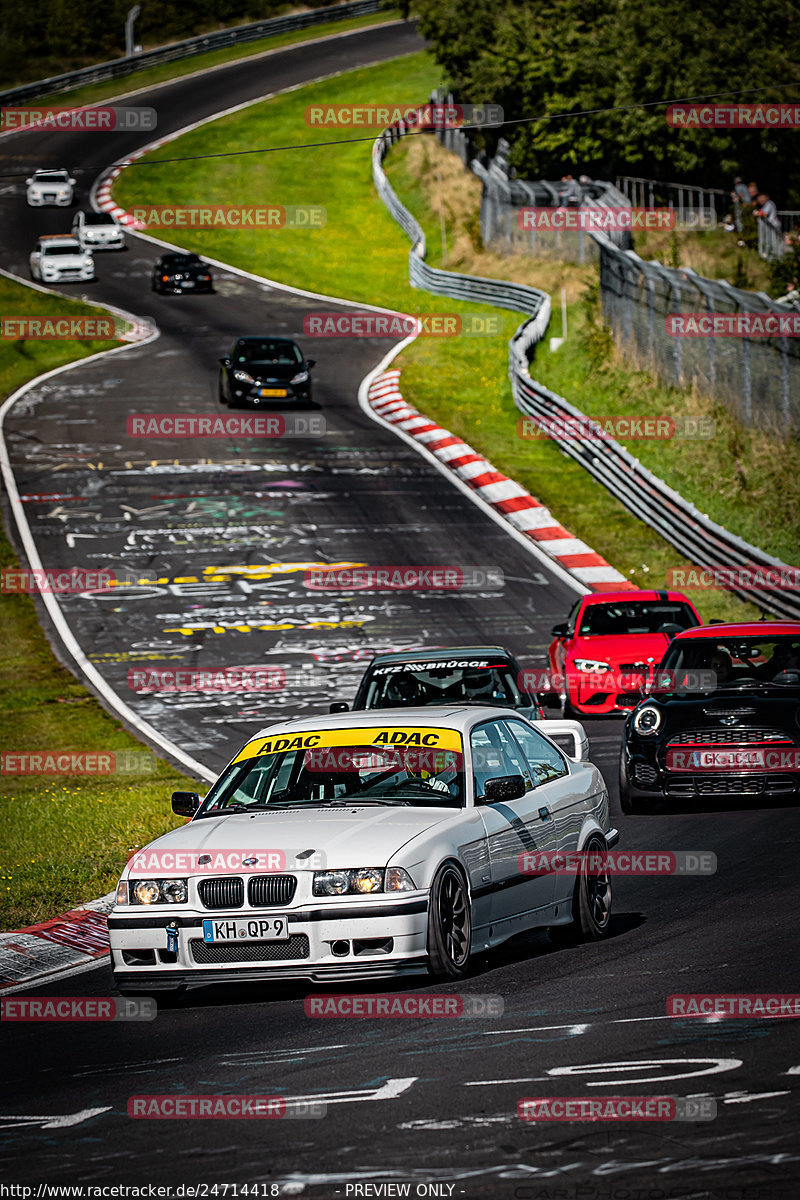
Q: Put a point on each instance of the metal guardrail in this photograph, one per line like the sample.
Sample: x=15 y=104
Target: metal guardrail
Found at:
x=679 y=522
x=116 y=68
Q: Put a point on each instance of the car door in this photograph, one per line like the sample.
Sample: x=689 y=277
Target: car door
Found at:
x=513 y=828
x=558 y=791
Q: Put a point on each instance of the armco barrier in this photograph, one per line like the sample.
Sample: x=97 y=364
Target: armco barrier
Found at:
x=644 y=494
x=116 y=68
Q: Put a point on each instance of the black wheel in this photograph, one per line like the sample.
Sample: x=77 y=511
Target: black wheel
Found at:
x=626 y=800
x=449 y=925
x=591 y=902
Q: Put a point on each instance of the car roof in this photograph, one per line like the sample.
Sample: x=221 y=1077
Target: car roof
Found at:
x=452 y=716
x=633 y=594
x=439 y=652
x=763 y=629
x=51 y=171
x=265 y=337
x=58 y=237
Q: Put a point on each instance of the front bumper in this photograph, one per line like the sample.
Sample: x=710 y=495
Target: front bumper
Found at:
x=251 y=396
x=179 y=286
x=648 y=778
x=327 y=941
x=49 y=201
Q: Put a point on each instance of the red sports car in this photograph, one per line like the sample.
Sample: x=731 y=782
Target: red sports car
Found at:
x=609 y=645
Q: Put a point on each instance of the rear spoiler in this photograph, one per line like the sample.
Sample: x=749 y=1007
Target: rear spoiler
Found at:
x=571 y=731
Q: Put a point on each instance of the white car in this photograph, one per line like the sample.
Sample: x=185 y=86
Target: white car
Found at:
x=367 y=845
x=98 y=231
x=50 y=187
x=59 y=258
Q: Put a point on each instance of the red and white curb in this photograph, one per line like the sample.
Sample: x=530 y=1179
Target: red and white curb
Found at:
x=74 y=939
x=512 y=502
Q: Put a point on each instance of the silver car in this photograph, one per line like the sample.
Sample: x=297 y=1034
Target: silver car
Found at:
x=50 y=187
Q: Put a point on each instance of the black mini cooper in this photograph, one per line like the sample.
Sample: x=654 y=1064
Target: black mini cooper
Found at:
x=722 y=718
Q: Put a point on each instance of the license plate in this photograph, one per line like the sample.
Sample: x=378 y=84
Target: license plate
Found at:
x=247 y=929
x=715 y=760
x=187 y=283
x=273 y=391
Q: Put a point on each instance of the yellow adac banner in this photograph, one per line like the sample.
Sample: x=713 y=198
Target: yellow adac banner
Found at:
x=371 y=735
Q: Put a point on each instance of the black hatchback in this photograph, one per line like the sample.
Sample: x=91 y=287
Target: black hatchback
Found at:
x=261 y=370
x=722 y=719
x=179 y=273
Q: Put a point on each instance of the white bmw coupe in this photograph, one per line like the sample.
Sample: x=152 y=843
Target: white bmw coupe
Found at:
x=366 y=845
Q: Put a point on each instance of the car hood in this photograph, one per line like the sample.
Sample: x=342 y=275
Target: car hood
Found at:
x=270 y=372
x=341 y=837
x=735 y=708
x=619 y=648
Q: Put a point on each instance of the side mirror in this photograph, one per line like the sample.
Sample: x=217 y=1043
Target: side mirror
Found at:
x=560 y=631
x=339 y=706
x=29 y=181
x=224 y=362
x=72 y=182
x=311 y=362
x=185 y=804
x=504 y=787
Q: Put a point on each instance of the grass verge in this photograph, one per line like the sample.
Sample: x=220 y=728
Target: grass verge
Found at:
x=202 y=62
x=64 y=840
x=361 y=254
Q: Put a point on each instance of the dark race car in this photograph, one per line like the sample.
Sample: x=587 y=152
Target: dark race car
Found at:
x=456 y=676
x=261 y=370
x=721 y=719
x=179 y=273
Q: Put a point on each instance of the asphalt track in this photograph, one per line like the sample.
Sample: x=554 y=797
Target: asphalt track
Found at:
x=423 y=1102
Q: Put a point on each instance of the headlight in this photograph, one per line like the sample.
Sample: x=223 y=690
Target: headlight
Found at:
x=147 y=891
x=591 y=666
x=301 y=378
x=355 y=879
x=122 y=892
x=647 y=720
x=370 y=880
x=159 y=891
x=243 y=377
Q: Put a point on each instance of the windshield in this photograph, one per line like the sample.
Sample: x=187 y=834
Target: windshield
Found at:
x=736 y=662
x=51 y=177
x=268 y=353
x=98 y=219
x=415 y=684
x=637 y=616
x=73 y=249
x=377 y=766
x=180 y=260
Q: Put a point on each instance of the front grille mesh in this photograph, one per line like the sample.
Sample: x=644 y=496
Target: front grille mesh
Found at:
x=729 y=737
x=221 y=893
x=732 y=785
x=228 y=952
x=264 y=890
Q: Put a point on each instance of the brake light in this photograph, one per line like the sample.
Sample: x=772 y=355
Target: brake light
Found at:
x=165 y=278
